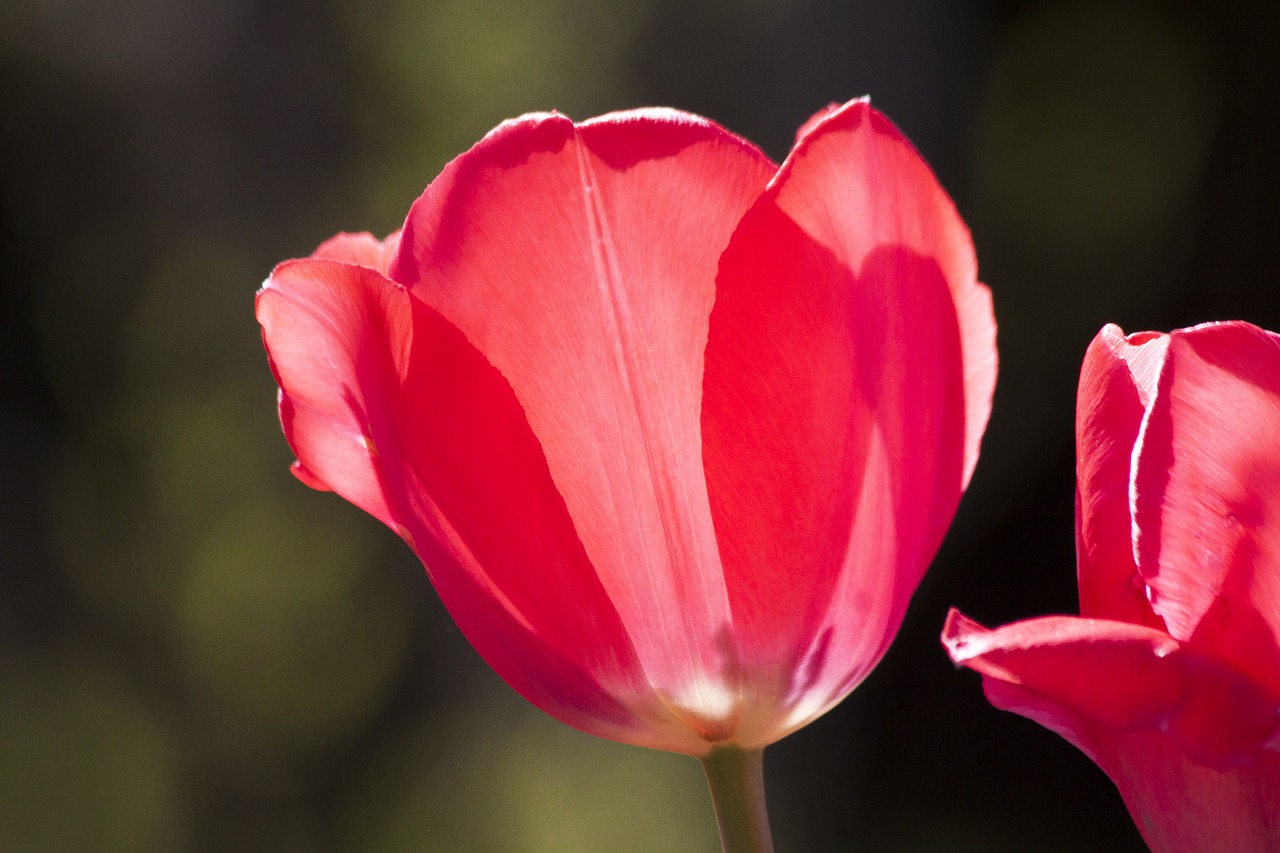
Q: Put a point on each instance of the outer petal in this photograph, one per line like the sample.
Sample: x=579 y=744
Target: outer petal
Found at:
x=386 y=403
x=849 y=373
x=1207 y=494
x=1097 y=678
x=581 y=262
x=892 y=199
x=335 y=342
x=1117 y=381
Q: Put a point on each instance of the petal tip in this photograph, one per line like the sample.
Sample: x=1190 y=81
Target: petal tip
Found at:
x=830 y=113
x=958 y=632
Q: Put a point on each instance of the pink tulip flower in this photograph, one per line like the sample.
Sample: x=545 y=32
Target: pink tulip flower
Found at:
x=674 y=430
x=1170 y=677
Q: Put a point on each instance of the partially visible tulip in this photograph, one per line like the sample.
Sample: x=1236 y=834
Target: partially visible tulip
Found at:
x=674 y=430
x=1170 y=677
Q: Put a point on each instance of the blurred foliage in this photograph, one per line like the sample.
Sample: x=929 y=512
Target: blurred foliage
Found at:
x=198 y=653
x=540 y=786
x=86 y=765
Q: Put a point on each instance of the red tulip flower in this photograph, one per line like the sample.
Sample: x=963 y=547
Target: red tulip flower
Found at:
x=674 y=430
x=1170 y=677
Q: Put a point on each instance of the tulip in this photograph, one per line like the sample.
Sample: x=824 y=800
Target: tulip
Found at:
x=674 y=430
x=1169 y=679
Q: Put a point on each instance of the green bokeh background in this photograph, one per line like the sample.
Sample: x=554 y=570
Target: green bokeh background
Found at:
x=199 y=654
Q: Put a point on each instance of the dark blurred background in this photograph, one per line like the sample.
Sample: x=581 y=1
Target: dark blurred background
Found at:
x=197 y=653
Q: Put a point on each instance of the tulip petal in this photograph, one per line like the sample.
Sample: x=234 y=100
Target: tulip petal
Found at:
x=581 y=262
x=1119 y=677
x=849 y=372
x=334 y=333
x=1117 y=381
x=1206 y=494
x=386 y=402
x=892 y=199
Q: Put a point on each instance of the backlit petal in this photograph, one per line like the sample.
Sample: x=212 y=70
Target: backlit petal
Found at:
x=581 y=262
x=335 y=334
x=1123 y=678
x=1117 y=380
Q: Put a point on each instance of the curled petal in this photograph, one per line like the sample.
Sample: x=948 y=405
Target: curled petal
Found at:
x=336 y=335
x=1124 y=678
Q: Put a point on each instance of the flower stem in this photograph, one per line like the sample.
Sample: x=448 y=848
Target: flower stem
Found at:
x=736 y=779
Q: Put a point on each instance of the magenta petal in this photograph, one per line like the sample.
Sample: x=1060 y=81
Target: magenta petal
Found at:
x=1117 y=380
x=1178 y=805
x=581 y=261
x=849 y=370
x=1114 y=673
x=1207 y=494
x=1123 y=678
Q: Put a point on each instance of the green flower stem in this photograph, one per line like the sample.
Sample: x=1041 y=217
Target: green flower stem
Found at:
x=736 y=779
